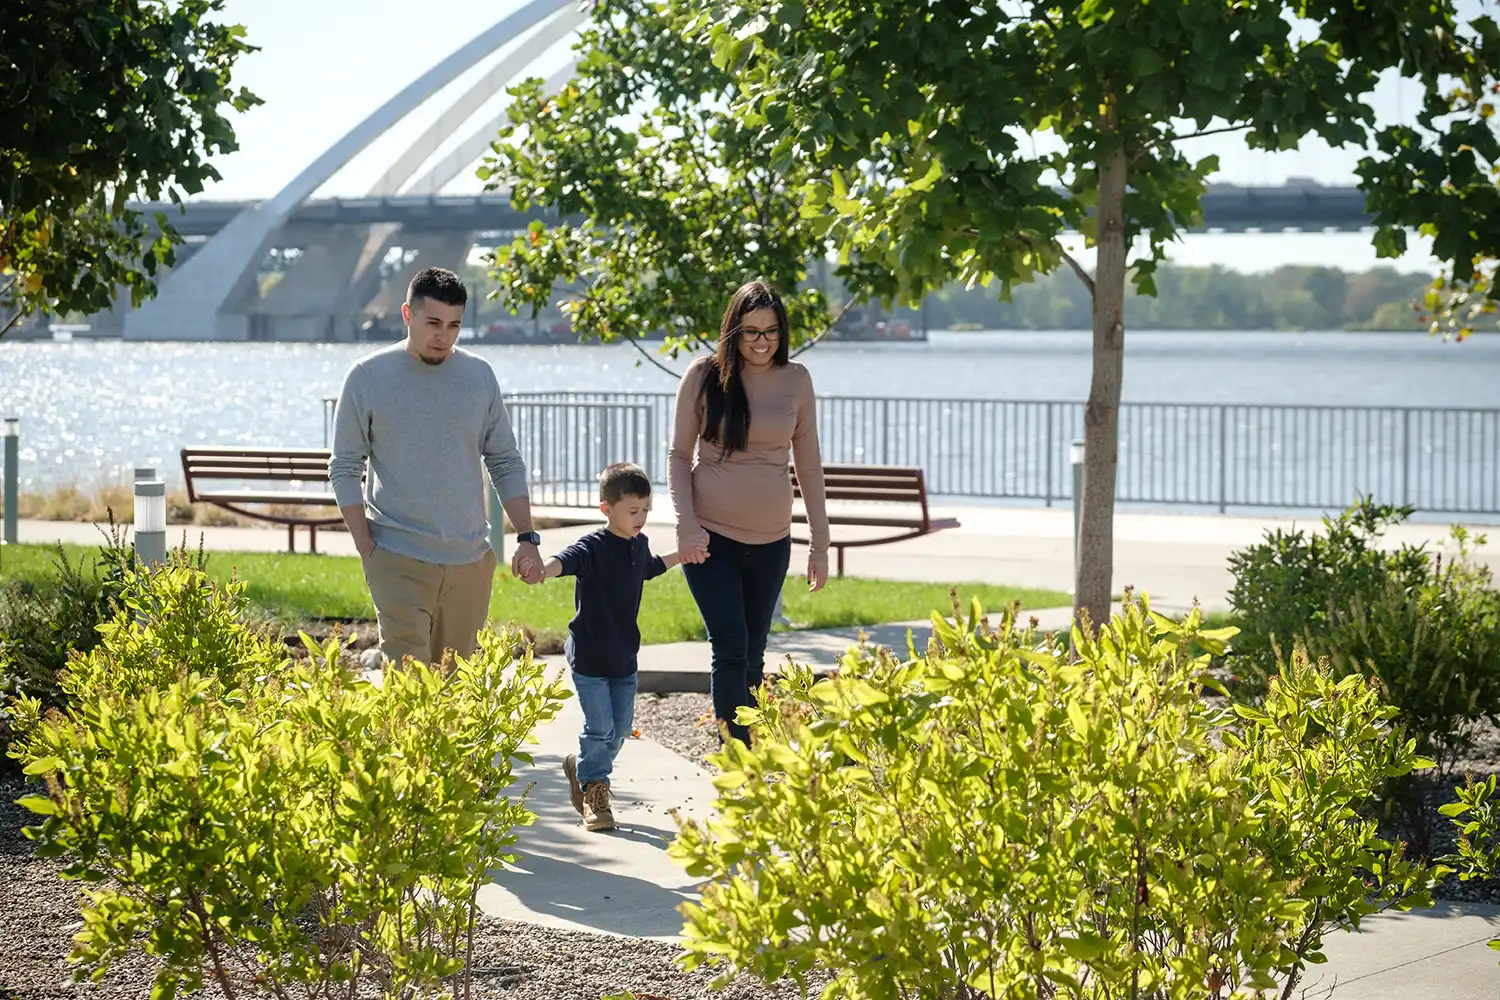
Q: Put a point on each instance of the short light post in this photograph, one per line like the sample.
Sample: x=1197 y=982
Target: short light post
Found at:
x=1075 y=456
x=151 y=522
x=330 y=407
x=12 y=479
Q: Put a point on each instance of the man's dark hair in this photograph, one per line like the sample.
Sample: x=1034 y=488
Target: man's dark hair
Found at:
x=621 y=480
x=438 y=284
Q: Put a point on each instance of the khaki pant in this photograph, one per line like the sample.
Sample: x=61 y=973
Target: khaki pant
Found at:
x=424 y=608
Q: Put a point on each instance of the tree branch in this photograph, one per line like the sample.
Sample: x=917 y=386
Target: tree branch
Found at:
x=633 y=342
x=1168 y=139
x=17 y=317
x=1083 y=276
x=825 y=331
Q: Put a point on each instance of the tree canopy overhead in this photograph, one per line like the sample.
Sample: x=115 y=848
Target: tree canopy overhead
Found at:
x=672 y=202
x=915 y=120
x=101 y=103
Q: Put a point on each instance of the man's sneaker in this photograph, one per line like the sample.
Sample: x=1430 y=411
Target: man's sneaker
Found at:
x=575 y=790
x=597 y=815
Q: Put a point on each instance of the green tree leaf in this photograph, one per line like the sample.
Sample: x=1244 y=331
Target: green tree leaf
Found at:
x=137 y=98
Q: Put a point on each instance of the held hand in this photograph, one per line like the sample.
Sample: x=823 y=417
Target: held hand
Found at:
x=817 y=571
x=526 y=564
x=693 y=547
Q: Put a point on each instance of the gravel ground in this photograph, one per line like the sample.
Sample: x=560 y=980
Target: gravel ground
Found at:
x=679 y=722
x=513 y=961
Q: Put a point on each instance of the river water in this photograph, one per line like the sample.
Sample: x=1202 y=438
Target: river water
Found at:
x=90 y=410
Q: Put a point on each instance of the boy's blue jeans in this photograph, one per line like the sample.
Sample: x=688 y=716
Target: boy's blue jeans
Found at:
x=608 y=705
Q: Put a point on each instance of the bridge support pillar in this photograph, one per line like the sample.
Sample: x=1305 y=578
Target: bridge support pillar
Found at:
x=304 y=303
x=430 y=249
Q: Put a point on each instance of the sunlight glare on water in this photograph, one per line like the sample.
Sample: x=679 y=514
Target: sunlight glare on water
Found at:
x=92 y=410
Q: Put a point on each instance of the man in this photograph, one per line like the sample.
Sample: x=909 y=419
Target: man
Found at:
x=428 y=420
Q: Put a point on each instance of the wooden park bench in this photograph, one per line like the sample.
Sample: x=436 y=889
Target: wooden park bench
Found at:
x=243 y=465
x=874 y=496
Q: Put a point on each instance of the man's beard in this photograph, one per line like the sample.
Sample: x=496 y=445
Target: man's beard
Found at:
x=433 y=361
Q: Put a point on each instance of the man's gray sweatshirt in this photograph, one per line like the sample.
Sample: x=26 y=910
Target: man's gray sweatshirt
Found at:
x=428 y=433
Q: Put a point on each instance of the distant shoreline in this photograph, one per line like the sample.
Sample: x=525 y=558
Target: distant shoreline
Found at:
x=84 y=338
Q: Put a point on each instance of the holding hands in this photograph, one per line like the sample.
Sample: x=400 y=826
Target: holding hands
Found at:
x=692 y=546
x=526 y=564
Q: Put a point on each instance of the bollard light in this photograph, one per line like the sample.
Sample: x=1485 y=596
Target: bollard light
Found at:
x=12 y=487
x=151 y=521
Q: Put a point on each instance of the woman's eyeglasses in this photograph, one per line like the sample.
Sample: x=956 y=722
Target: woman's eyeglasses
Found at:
x=750 y=334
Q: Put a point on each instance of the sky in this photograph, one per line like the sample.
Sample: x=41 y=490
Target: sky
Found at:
x=326 y=65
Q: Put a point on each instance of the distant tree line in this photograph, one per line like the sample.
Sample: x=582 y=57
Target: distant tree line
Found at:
x=1189 y=298
x=1197 y=298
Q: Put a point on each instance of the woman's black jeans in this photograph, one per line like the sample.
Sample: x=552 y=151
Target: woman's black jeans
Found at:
x=736 y=590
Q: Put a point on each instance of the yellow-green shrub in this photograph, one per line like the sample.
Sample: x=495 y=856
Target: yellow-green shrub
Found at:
x=992 y=819
x=1476 y=813
x=167 y=624
x=285 y=830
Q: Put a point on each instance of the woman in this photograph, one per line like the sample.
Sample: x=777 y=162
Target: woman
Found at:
x=743 y=411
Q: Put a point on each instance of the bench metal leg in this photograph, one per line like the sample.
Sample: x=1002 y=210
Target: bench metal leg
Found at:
x=291 y=538
x=312 y=538
x=841 y=559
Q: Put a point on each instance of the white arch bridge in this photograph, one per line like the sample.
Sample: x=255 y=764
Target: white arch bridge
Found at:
x=337 y=277
x=338 y=271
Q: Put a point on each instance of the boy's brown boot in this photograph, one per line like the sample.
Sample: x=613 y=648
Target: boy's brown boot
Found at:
x=597 y=815
x=575 y=790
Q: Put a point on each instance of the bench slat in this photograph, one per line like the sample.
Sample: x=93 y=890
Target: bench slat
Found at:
x=908 y=482
x=871 y=495
x=192 y=451
x=863 y=521
x=891 y=485
x=269 y=496
x=311 y=461
x=904 y=471
x=242 y=471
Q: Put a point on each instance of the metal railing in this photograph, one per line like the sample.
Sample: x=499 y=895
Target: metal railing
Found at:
x=567 y=444
x=1210 y=455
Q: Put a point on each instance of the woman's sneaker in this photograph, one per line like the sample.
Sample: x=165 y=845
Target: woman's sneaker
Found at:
x=597 y=815
x=575 y=790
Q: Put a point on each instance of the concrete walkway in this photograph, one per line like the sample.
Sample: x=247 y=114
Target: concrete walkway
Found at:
x=615 y=883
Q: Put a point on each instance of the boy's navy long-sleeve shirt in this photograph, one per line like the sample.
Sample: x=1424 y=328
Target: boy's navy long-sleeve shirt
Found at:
x=608 y=572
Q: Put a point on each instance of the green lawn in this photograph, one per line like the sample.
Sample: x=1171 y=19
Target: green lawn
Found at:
x=301 y=586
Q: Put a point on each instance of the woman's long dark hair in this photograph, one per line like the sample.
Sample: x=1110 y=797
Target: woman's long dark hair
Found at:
x=726 y=410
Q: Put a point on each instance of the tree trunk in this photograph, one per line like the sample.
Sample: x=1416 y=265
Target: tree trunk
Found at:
x=1101 y=420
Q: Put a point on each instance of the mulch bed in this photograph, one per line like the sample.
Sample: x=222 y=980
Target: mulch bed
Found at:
x=513 y=961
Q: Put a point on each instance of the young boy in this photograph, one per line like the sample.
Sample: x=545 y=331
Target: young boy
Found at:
x=608 y=566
